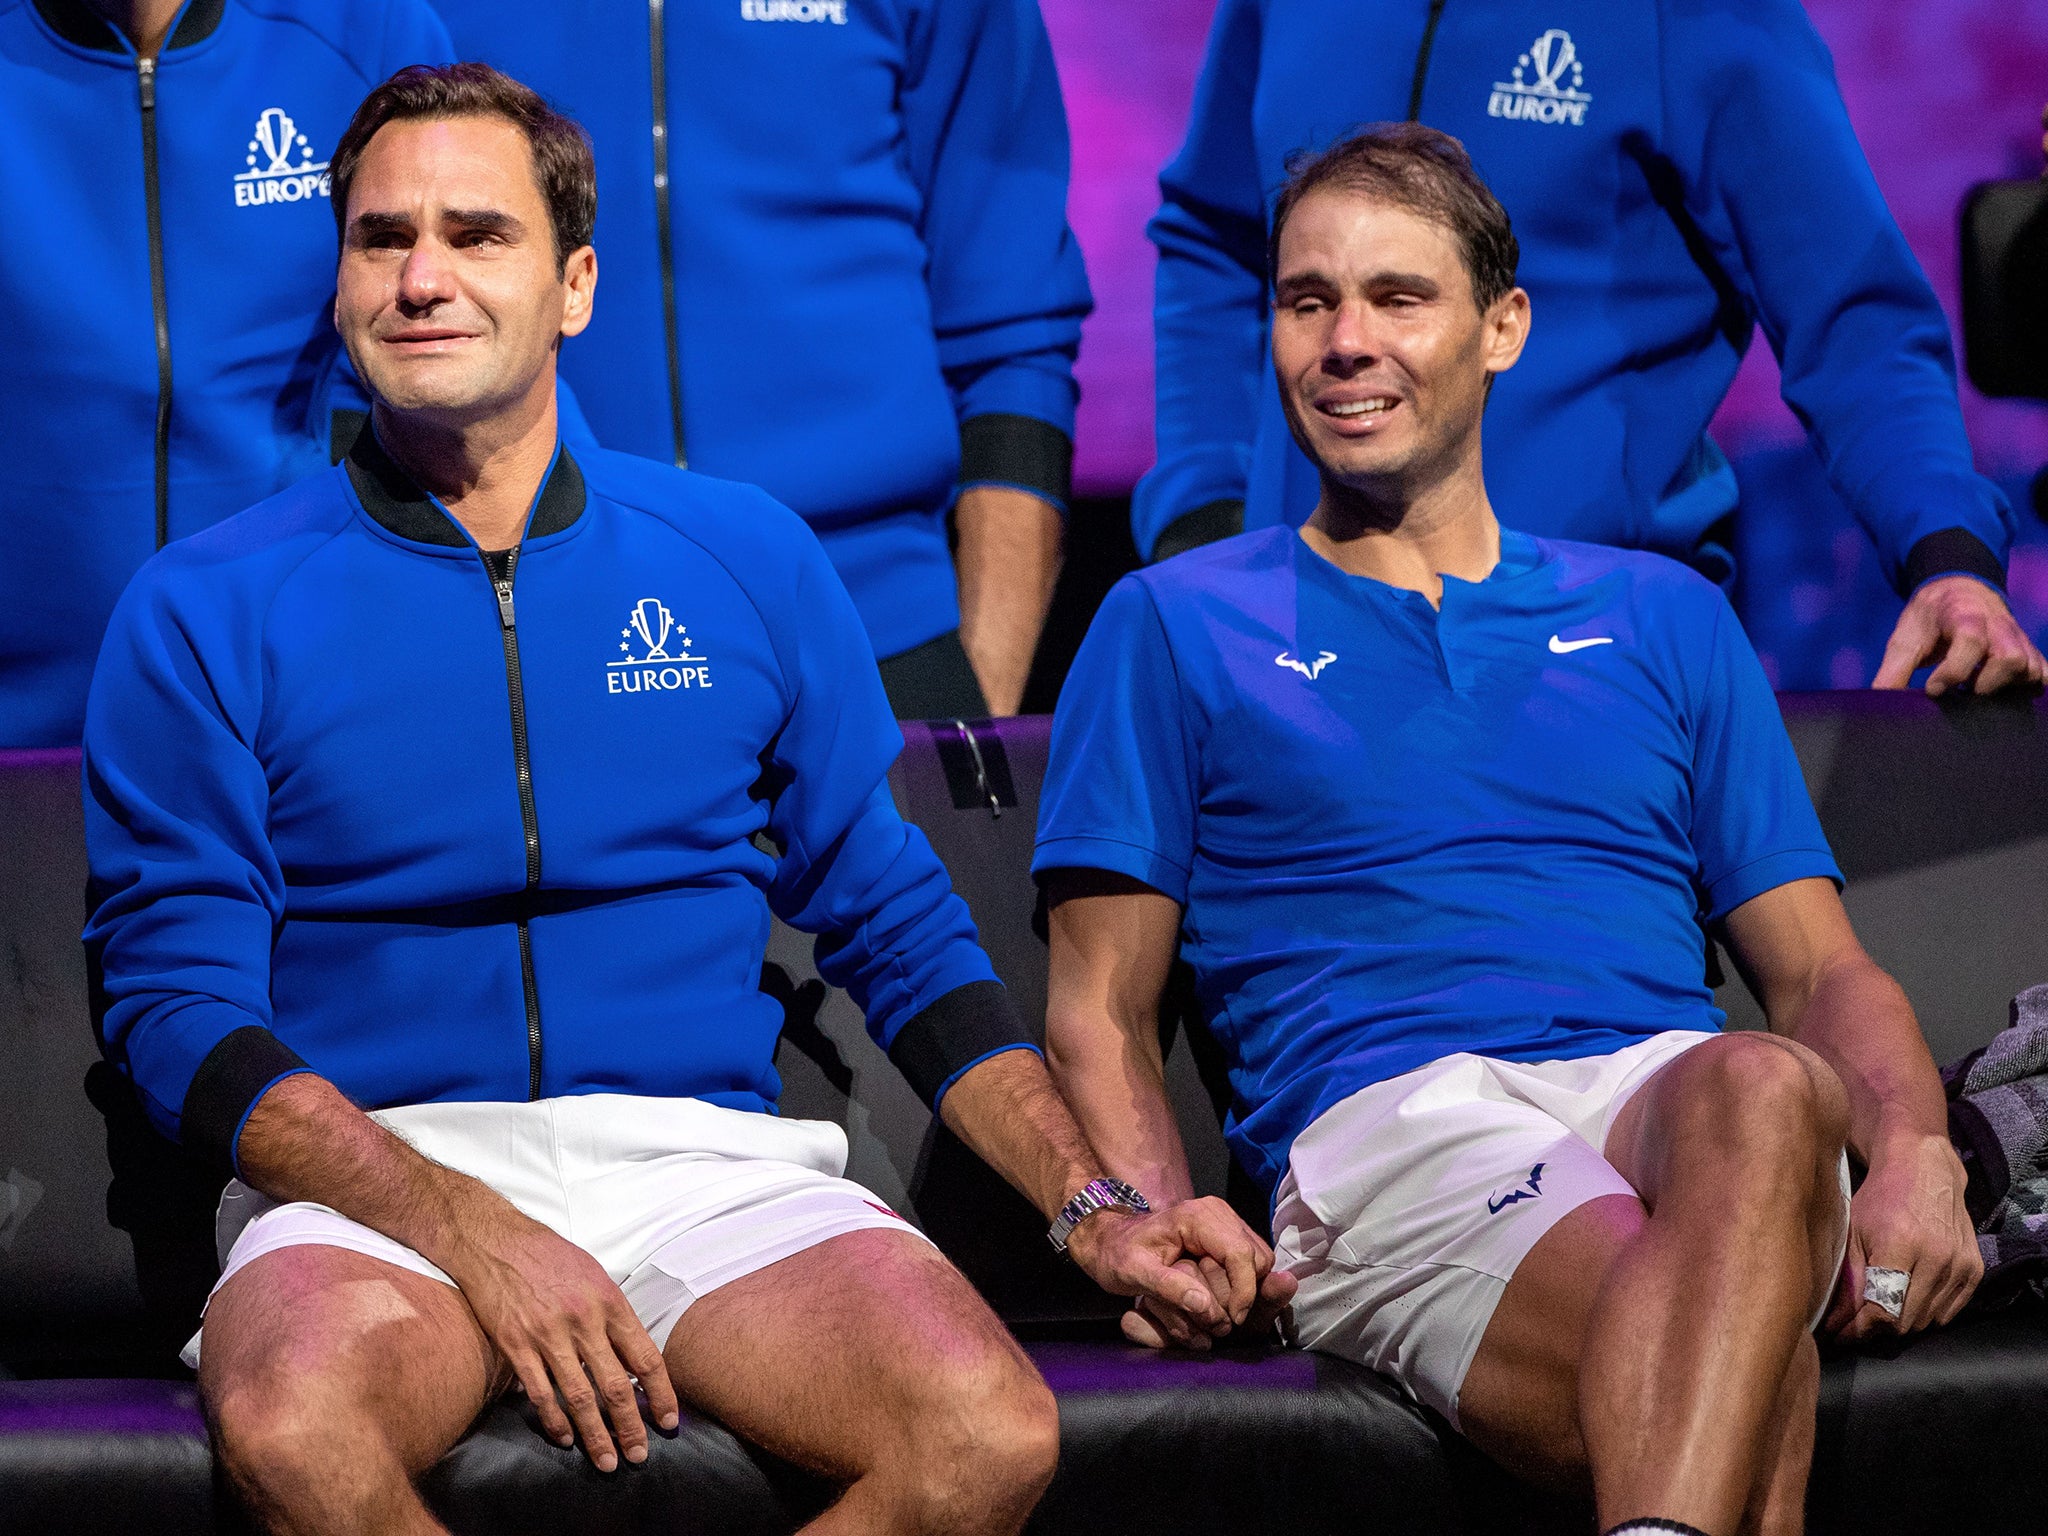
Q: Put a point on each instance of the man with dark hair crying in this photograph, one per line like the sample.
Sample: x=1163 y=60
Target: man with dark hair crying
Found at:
x=422 y=806
x=1437 y=811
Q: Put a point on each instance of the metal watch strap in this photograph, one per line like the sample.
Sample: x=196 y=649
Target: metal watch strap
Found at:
x=1095 y=1195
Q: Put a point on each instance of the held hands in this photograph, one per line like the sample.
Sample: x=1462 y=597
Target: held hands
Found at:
x=566 y=1331
x=1196 y=1270
x=1909 y=1216
x=1968 y=632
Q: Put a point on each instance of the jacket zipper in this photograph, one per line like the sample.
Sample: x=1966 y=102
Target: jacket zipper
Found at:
x=145 y=79
x=657 y=49
x=500 y=566
x=1436 y=14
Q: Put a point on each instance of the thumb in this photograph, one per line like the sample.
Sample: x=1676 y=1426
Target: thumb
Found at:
x=1912 y=642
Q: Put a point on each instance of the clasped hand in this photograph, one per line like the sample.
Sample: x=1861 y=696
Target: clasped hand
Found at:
x=1195 y=1271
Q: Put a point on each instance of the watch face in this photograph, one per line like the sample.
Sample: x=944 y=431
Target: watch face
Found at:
x=1126 y=1195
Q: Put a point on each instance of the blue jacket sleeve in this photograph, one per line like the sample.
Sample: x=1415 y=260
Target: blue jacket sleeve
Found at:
x=186 y=894
x=987 y=138
x=1209 y=298
x=1781 y=190
x=891 y=930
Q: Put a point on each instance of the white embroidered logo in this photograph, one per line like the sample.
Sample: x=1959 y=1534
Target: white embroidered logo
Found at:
x=833 y=11
x=281 y=168
x=656 y=669
x=1566 y=647
x=1550 y=97
x=1309 y=670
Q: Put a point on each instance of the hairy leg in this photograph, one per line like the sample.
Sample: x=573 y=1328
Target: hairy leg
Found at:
x=1652 y=1345
x=870 y=1359
x=331 y=1380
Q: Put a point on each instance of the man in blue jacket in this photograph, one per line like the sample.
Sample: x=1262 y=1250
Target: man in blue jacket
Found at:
x=170 y=357
x=1679 y=171
x=837 y=266
x=431 y=786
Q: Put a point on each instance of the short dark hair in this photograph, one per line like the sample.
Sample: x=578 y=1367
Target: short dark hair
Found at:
x=563 y=167
x=1422 y=170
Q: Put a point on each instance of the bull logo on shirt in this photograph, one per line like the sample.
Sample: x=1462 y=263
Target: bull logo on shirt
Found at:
x=280 y=165
x=1550 y=97
x=1308 y=669
x=656 y=669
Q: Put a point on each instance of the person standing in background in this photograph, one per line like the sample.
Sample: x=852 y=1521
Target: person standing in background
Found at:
x=1678 y=173
x=837 y=266
x=171 y=355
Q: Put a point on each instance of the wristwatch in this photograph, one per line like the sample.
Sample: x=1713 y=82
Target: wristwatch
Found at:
x=1095 y=1195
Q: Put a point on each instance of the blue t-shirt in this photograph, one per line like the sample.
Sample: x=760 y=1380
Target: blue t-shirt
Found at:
x=1398 y=833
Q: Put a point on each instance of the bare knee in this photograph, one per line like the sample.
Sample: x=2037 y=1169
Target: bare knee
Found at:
x=980 y=1447
x=1773 y=1098
x=275 y=1442
x=292 y=1422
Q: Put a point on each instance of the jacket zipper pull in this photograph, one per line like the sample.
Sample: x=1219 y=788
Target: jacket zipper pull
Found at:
x=504 y=591
x=145 y=76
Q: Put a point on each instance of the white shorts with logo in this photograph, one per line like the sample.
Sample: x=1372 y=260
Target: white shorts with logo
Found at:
x=674 y=1197
x=1407 y=1207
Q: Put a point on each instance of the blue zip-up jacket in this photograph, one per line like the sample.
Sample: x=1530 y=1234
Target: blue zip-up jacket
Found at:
x=168 y=284
x=359 y=802
x=1678 y=172
x=855 y=286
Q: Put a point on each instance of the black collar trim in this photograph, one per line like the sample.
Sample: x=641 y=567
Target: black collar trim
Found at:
x=390 y=495
x=80 y=25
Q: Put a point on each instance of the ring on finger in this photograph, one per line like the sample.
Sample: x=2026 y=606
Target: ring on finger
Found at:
x=1887 y=1288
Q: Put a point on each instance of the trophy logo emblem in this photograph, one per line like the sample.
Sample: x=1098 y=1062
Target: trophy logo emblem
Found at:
x=664 y=662
x=279 y=166
x=653 y=621
x=1557 y=93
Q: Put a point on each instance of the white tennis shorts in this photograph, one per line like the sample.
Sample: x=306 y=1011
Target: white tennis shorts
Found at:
x=1407 y=1207
x=674 y=1197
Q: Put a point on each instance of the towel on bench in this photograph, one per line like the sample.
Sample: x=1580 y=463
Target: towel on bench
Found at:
x=1998 y=1120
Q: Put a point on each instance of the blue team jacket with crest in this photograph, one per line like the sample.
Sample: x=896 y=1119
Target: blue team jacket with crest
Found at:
x=167 y=282
x=1679 y=172
x=833 y=257
x=442 y=828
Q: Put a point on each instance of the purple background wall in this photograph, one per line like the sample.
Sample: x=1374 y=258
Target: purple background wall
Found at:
x=1943 y=93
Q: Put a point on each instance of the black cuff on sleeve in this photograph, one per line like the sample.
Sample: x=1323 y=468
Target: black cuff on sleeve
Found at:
x=226 y=1087
x=1209 y=522
x=1023 y=451
x=1950 y=552
x=955 y=1032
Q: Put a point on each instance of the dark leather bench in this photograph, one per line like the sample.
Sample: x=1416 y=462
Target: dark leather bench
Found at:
x=1939 y=816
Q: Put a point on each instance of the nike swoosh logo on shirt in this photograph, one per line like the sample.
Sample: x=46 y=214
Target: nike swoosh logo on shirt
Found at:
x=1566 y=647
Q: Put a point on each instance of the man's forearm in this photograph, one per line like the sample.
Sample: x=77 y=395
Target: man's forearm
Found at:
x=306 y=1141
x=1008 y=561
x=1008 y=1111
x=1113 y=943
x=1116 y=1088
x=1858 y=1021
